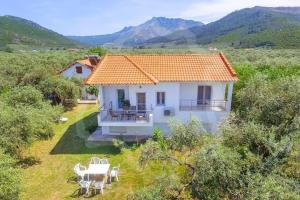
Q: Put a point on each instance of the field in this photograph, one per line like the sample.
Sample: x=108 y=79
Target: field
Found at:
x=53 y=177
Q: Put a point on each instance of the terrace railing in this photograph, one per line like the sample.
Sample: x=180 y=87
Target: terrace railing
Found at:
x=125 y=115
x=202 y=105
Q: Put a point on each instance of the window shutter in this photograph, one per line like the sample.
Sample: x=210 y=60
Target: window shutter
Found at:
x=208 y=93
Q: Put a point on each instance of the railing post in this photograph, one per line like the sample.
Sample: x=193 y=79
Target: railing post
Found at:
x=99 y=118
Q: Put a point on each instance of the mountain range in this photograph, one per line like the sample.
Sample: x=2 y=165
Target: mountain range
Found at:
x=134 y=35
x=246 y=28
x=277 y=27
x=15 y=31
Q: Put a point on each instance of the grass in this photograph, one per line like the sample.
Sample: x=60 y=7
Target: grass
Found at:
x=53 y=177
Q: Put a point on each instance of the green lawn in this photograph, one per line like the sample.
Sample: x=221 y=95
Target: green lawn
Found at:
x=53 y=177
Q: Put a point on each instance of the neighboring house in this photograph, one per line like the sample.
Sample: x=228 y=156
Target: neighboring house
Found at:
x=140 y=92
x=82 y=69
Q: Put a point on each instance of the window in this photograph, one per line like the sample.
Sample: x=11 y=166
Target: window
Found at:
x=204 y=95
x=160 y=98
x=79 y=70
x=121 y=98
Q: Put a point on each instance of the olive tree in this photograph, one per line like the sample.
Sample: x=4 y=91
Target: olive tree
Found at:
x=176 y=149
x=24 y=118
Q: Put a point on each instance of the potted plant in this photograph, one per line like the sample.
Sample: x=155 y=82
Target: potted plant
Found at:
x=126 y=104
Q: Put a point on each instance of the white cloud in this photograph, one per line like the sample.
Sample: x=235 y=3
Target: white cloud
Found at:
x=208 y=11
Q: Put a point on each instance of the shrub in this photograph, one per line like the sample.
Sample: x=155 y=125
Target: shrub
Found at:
x=61 y=90
x=93 y=90
x=119 y=144
x=157 y=134
x=10 y=178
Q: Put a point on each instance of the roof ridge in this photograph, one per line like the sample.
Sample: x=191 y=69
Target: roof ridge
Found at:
x=163 y=54
x=96 y=69
x=151 y=77
x=227 y=64
x=89 y=65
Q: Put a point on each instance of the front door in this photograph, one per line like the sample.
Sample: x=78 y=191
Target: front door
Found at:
x=204 y=95
x=141 y=101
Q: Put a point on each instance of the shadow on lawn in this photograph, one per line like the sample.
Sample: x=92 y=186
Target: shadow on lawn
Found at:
x=74 y=140
x=82 y=193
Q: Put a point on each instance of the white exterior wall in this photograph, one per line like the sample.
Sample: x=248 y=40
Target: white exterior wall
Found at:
x=171 y=98
x=110 y=95
x=86 y=71
x=71 y=71
x=190 y=90
x=174 y=92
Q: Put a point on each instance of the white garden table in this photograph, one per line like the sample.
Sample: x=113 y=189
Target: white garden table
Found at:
x=98 y=169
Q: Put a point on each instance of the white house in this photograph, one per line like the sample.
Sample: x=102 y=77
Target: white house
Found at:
x=82 y=69
x=140 y=92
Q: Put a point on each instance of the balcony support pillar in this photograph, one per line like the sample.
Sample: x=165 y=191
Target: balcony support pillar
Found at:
x=101 y=97
x=229 y=96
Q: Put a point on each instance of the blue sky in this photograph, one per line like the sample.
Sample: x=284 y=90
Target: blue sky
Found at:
x=90 y=17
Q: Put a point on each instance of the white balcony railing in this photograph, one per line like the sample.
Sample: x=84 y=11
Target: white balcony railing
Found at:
x=202 y=105
x=125 y=115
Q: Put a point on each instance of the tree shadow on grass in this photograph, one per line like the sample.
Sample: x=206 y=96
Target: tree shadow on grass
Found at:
x=91 y=194
x=74 y=140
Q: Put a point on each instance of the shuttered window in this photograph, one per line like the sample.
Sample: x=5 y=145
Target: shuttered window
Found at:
x=160 y=98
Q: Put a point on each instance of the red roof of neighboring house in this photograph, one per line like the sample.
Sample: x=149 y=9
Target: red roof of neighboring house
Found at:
x=85 y=62
x=154 y=68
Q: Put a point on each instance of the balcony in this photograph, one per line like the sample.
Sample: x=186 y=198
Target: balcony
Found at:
x=202 y=105
x=125 y=118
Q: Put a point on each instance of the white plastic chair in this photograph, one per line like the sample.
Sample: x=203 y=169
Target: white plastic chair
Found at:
x=99 y=185
x=95 y=160
x=84 y=185
x=80 y=170
x=104 y=161
x=114 y=173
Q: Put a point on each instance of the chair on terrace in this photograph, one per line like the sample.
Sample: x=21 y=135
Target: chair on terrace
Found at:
x=113 y=115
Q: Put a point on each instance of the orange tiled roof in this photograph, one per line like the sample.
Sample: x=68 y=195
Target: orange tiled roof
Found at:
x=151 y=69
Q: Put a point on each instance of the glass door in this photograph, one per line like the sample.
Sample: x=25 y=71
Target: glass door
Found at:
x=121 y=98
x=204 y=95
x=141 y=101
